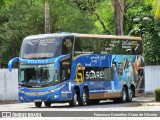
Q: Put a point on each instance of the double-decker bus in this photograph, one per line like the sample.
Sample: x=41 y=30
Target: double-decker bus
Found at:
x=80 y=69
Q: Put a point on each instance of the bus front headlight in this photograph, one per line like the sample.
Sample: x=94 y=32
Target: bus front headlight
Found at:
x=52 y=91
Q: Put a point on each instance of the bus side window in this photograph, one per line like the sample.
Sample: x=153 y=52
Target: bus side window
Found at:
x=67 y=46
x=65 y=73
x=65 y=50
x=133 y=51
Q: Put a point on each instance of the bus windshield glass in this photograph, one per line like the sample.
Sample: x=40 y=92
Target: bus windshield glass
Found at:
x=41 y=48
x=37 y=75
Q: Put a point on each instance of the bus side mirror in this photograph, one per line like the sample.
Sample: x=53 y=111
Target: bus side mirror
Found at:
x=16 y=59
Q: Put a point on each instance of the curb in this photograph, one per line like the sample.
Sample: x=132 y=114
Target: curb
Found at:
x=150 y=104
x=9 y=102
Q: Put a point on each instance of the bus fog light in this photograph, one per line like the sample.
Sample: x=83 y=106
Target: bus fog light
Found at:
x=20 y=91
x=55 y=96
x=21 y=98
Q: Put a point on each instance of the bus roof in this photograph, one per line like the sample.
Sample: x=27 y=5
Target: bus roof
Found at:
x=63 y=34
x=108 y=36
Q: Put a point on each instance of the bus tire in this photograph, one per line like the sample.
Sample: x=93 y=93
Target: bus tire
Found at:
x=83 y=101
x=116 y=100
x=73 y=102
x=47 y=104
x=123 y=98
x=130 y=95
x=38 y=104
x=93 y=102
x=133 y=91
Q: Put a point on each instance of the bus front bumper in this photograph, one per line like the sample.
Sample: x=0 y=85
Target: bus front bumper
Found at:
x=44 y=96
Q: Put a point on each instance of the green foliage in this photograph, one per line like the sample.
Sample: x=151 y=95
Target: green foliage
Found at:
x=147 y=28
x=23 y=18
x=156 y=9
x=157 y=94
x=136 y=9
x=100 y=12
x=20 y=18
x=64 y=19
x=151 y=38
x=26 y=17
x=5 y=3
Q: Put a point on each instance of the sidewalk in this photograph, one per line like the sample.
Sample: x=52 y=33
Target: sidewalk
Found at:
x=147 y=99
x=9 y=102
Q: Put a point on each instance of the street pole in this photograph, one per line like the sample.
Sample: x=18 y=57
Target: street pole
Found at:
x=47 y=17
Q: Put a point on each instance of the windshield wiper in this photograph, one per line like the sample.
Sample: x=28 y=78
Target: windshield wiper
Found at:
x=24 y=85
x=49 y=84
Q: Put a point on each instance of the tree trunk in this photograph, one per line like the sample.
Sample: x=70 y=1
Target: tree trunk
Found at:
x=118 y=13
x=47 y=18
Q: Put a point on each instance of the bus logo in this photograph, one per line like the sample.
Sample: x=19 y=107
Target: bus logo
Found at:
x=79 y=73
x=37 y=61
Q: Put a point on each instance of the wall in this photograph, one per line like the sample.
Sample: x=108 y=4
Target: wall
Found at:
x=152 y=78
x=8 y=84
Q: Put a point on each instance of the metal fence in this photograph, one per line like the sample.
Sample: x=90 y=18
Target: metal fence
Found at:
x=9 y=82
x=8 y=85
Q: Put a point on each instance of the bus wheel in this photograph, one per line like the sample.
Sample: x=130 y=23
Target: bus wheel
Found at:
x=38 y=104
x=93 y=102
x=84 y=99
x=47 y=104
x=123 y=99
x=116 y=100
x=74 y=101
x=130 y=95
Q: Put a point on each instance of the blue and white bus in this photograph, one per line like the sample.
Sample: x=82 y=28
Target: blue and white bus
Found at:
x=80 y=69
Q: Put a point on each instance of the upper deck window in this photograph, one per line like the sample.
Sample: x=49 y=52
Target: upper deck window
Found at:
x=41 y=48
x=107 y=46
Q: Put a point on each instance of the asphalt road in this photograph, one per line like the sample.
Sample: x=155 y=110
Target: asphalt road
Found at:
x=138 y=104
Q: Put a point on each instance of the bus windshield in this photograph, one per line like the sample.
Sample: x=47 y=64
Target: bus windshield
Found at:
x=37 y=75
x=41 y=48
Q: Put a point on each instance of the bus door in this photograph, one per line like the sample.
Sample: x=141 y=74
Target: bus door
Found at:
x=65 y=65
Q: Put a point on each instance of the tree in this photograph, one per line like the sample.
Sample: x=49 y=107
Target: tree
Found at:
x=118 y=16
x=47 y=17
x=21 y=19
x=4 y=3
x=156 y=9
x=91 y=8
x=151 y=38
x=26 y=17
